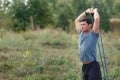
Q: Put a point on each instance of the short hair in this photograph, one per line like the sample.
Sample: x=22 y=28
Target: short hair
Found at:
x=88 y=20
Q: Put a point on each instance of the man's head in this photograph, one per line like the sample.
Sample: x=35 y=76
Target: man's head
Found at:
x=86 y=24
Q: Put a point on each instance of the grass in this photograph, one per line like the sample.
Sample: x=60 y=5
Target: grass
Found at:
x=50 y=55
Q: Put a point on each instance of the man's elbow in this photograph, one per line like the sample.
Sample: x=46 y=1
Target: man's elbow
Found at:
x=76 y=20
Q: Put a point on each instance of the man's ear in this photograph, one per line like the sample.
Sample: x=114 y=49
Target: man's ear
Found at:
x=90 y=25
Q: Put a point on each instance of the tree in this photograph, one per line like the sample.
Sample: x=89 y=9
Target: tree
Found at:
x=19 y=14
x=40 y=12
x=23 y=11
x=59 y=13
x=5 y=20
x=62 y=13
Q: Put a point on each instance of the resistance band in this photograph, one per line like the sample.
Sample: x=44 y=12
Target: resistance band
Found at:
x=102 y=54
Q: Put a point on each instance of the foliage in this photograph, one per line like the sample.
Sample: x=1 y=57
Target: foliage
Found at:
x=19 y=15
x=40 y=11
x=23 y=12
x=27 y=14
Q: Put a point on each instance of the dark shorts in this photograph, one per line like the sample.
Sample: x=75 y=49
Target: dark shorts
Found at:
x=91 y=71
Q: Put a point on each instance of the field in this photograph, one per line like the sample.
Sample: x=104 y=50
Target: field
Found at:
x=50 y=55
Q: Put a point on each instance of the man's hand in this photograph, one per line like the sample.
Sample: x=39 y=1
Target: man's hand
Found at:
x=90 y=10
x=95 y=10
x=96 y=21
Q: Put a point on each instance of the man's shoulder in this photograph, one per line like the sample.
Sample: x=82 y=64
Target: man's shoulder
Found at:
x=94 y=34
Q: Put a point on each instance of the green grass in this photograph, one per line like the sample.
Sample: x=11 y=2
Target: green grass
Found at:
x=50 y=55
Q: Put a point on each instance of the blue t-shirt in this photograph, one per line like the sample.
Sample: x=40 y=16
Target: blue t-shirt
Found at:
x=87 y=46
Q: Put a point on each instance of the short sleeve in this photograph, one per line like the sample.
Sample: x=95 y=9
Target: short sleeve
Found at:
x=95 y=34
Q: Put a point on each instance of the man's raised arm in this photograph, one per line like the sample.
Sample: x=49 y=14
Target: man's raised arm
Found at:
x=96 y=21
x=77 y=20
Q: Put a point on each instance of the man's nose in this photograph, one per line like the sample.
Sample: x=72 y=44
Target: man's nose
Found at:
x=82 y=26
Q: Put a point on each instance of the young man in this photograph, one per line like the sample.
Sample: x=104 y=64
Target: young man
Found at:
x=89 y=33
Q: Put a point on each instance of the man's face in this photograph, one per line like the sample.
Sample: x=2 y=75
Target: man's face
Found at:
x=84 y=26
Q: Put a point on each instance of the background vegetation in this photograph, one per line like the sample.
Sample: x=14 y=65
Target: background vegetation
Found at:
x=38 y=39
x=20 y=15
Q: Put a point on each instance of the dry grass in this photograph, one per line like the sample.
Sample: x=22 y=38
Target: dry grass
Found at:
x=50 y=54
